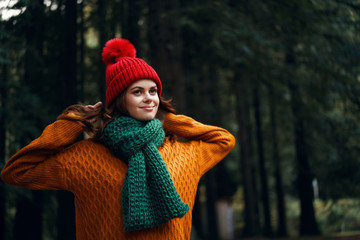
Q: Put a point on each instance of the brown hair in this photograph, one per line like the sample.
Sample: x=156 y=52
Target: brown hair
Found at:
x=103 y=116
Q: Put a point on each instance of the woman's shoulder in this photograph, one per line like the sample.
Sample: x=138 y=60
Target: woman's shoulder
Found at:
x=84 y=151
x=179 y=148
x=89 y=153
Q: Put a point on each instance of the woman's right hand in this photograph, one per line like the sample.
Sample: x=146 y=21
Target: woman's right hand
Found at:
x=93 y=108
x=86 y=115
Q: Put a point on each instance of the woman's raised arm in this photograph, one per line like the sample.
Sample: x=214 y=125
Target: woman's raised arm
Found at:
x=212 y=143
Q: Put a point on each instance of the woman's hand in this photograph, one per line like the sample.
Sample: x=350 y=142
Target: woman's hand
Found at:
x=93 y=108
x=85 y=115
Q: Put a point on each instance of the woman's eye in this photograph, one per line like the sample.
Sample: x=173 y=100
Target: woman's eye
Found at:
x=137 y=92
x=153 y=91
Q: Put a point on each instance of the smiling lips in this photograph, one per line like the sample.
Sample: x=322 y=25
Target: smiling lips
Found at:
x=148 y=108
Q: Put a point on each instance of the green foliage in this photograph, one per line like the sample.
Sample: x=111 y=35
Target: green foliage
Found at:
x=339 y=216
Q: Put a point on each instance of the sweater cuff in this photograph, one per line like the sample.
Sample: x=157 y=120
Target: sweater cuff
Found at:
x=65 y=131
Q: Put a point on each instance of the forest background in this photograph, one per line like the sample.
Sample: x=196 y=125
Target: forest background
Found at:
x=282 y=76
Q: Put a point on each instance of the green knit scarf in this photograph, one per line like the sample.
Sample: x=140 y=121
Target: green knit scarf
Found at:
x=149 y=197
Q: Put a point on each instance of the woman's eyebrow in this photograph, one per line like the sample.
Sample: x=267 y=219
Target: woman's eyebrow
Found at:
x=136 y=87
x=155 y=86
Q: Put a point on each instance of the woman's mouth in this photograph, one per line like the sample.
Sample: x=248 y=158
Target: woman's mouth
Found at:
x=148 y=108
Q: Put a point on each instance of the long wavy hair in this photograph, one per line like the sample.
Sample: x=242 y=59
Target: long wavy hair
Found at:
x=103 y=116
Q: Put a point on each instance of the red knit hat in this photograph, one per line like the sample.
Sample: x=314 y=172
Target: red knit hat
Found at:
x=123 y=68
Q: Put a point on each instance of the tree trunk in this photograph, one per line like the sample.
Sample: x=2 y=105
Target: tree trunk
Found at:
x=3 y=213
x=3 y=100
x=130 y=16
x=102 y=37
x=262 y=168
x=69 y=88
x=166 y=48
x=82 y=53
x=197 y=223
x=308 y=224
x=281 y=209
x=66 y=216
x=69 y=65
x=28 y=220
x=212 y=180
x=211 y=195
x=251 y=215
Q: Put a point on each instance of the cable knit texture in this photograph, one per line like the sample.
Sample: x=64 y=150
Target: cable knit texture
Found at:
x=95 y=175
x=149 y=197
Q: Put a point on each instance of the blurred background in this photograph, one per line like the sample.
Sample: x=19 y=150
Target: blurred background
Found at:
x=282 y=76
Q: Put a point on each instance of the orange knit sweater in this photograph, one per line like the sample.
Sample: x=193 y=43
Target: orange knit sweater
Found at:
x=95 y=176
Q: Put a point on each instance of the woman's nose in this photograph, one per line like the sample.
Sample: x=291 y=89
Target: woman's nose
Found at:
x=147 y=97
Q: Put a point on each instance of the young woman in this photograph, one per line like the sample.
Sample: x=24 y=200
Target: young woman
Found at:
x=132 y=179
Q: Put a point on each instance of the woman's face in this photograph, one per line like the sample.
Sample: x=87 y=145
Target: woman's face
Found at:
x=142 y=100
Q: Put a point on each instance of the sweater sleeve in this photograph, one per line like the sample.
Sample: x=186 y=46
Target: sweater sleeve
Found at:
x=212 y=143
x=37 y=165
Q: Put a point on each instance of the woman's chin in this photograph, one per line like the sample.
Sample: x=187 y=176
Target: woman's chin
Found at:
x=145 y=117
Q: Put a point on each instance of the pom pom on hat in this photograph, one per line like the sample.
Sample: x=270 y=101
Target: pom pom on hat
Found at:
x=117 y=48
x=123 y=68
